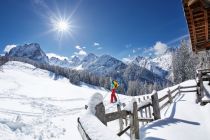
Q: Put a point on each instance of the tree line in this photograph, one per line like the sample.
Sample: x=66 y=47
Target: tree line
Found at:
x=129 y=84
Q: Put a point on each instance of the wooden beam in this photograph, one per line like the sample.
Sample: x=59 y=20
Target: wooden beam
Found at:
x=144 y=106
x=206 y=24
x=192 y=25
x=188 y=91
x=165 y=104
x=162 y=98
x=174 y=90
x=116 y=115
x=123 y=131
x=182 y=87
x=135 y=121
x=203 y=46
x=155 y=105
x=145 y=119
x=120 y=119
x=83 y=134
x=100 y=113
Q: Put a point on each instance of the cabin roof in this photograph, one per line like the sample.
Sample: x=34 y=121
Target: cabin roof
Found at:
x=197 y=13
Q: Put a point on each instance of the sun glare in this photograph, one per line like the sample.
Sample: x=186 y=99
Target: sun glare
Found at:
x=62 y=26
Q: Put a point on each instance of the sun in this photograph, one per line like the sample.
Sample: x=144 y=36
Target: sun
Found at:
x=62 y=26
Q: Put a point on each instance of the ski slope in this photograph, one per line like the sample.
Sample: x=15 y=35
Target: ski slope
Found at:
x=35 y=104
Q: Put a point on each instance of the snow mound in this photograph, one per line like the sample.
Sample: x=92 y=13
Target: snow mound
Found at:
x=95 y=100
x=96 y=130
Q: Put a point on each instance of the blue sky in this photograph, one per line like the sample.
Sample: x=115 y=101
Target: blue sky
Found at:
x=120 y=28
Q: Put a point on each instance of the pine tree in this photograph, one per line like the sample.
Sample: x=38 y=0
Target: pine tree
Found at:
x=184 y=63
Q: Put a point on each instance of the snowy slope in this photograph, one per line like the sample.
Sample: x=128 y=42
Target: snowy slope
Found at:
x=183 y=120
x=35 y=106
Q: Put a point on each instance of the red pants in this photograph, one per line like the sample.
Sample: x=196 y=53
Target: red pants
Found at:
x=113 y=96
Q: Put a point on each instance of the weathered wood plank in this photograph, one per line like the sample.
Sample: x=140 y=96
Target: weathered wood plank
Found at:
x=116 y=115
x=184 y=87
x=144 y=106
x=163 y=98
x=83 y=134
x=150 y=113
x=135 y=120
x=120 y=119
x=164 y=105
x=146 y=112
x=174 y=90
x=205 y=78
x=141 y=113
x=100 y=113
x=132 y=129
x=155 y=105
x=145 y=119
x=205 y=101
x=123 y=131
x=170 y=97
x=188 y=91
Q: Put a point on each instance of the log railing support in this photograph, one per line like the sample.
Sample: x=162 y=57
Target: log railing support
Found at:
x=155 y=105
x=120 y=119
x=170 y=97
x=135 y=120
x=100 y=113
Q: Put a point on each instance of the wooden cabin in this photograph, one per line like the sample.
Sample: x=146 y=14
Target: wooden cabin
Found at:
x=197 y=13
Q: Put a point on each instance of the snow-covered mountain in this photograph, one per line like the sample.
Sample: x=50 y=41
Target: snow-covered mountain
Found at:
x=99 y=65
x=75 y=61
x=160 y=65
x=106 y=64
x=88 y=60
x=31 y=51
x=57 y=60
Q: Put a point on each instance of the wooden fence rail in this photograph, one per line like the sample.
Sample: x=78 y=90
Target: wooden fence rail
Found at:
x=144 y=110
x=83 y=134
x=202 y=75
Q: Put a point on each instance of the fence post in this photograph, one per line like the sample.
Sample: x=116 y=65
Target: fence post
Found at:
x=169 y=96
x=135 y=120
x=155 y=106
x=179 y=90
x=100 y=113
x=150 y=114
x=132 y=135
x=201 y=86
x=120 y=119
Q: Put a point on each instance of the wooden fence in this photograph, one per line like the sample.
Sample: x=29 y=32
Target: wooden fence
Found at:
x=143 y=111
x=202 y=75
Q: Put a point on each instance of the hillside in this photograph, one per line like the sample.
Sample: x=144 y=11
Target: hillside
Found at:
x=36 y=106
x=98 y=66
x=182 y=120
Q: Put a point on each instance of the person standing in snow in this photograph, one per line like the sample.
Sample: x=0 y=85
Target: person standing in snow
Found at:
x=114 y=86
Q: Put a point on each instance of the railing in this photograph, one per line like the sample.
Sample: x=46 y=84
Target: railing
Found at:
x=144 y=110
x=83 y=134
x=202 y=75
